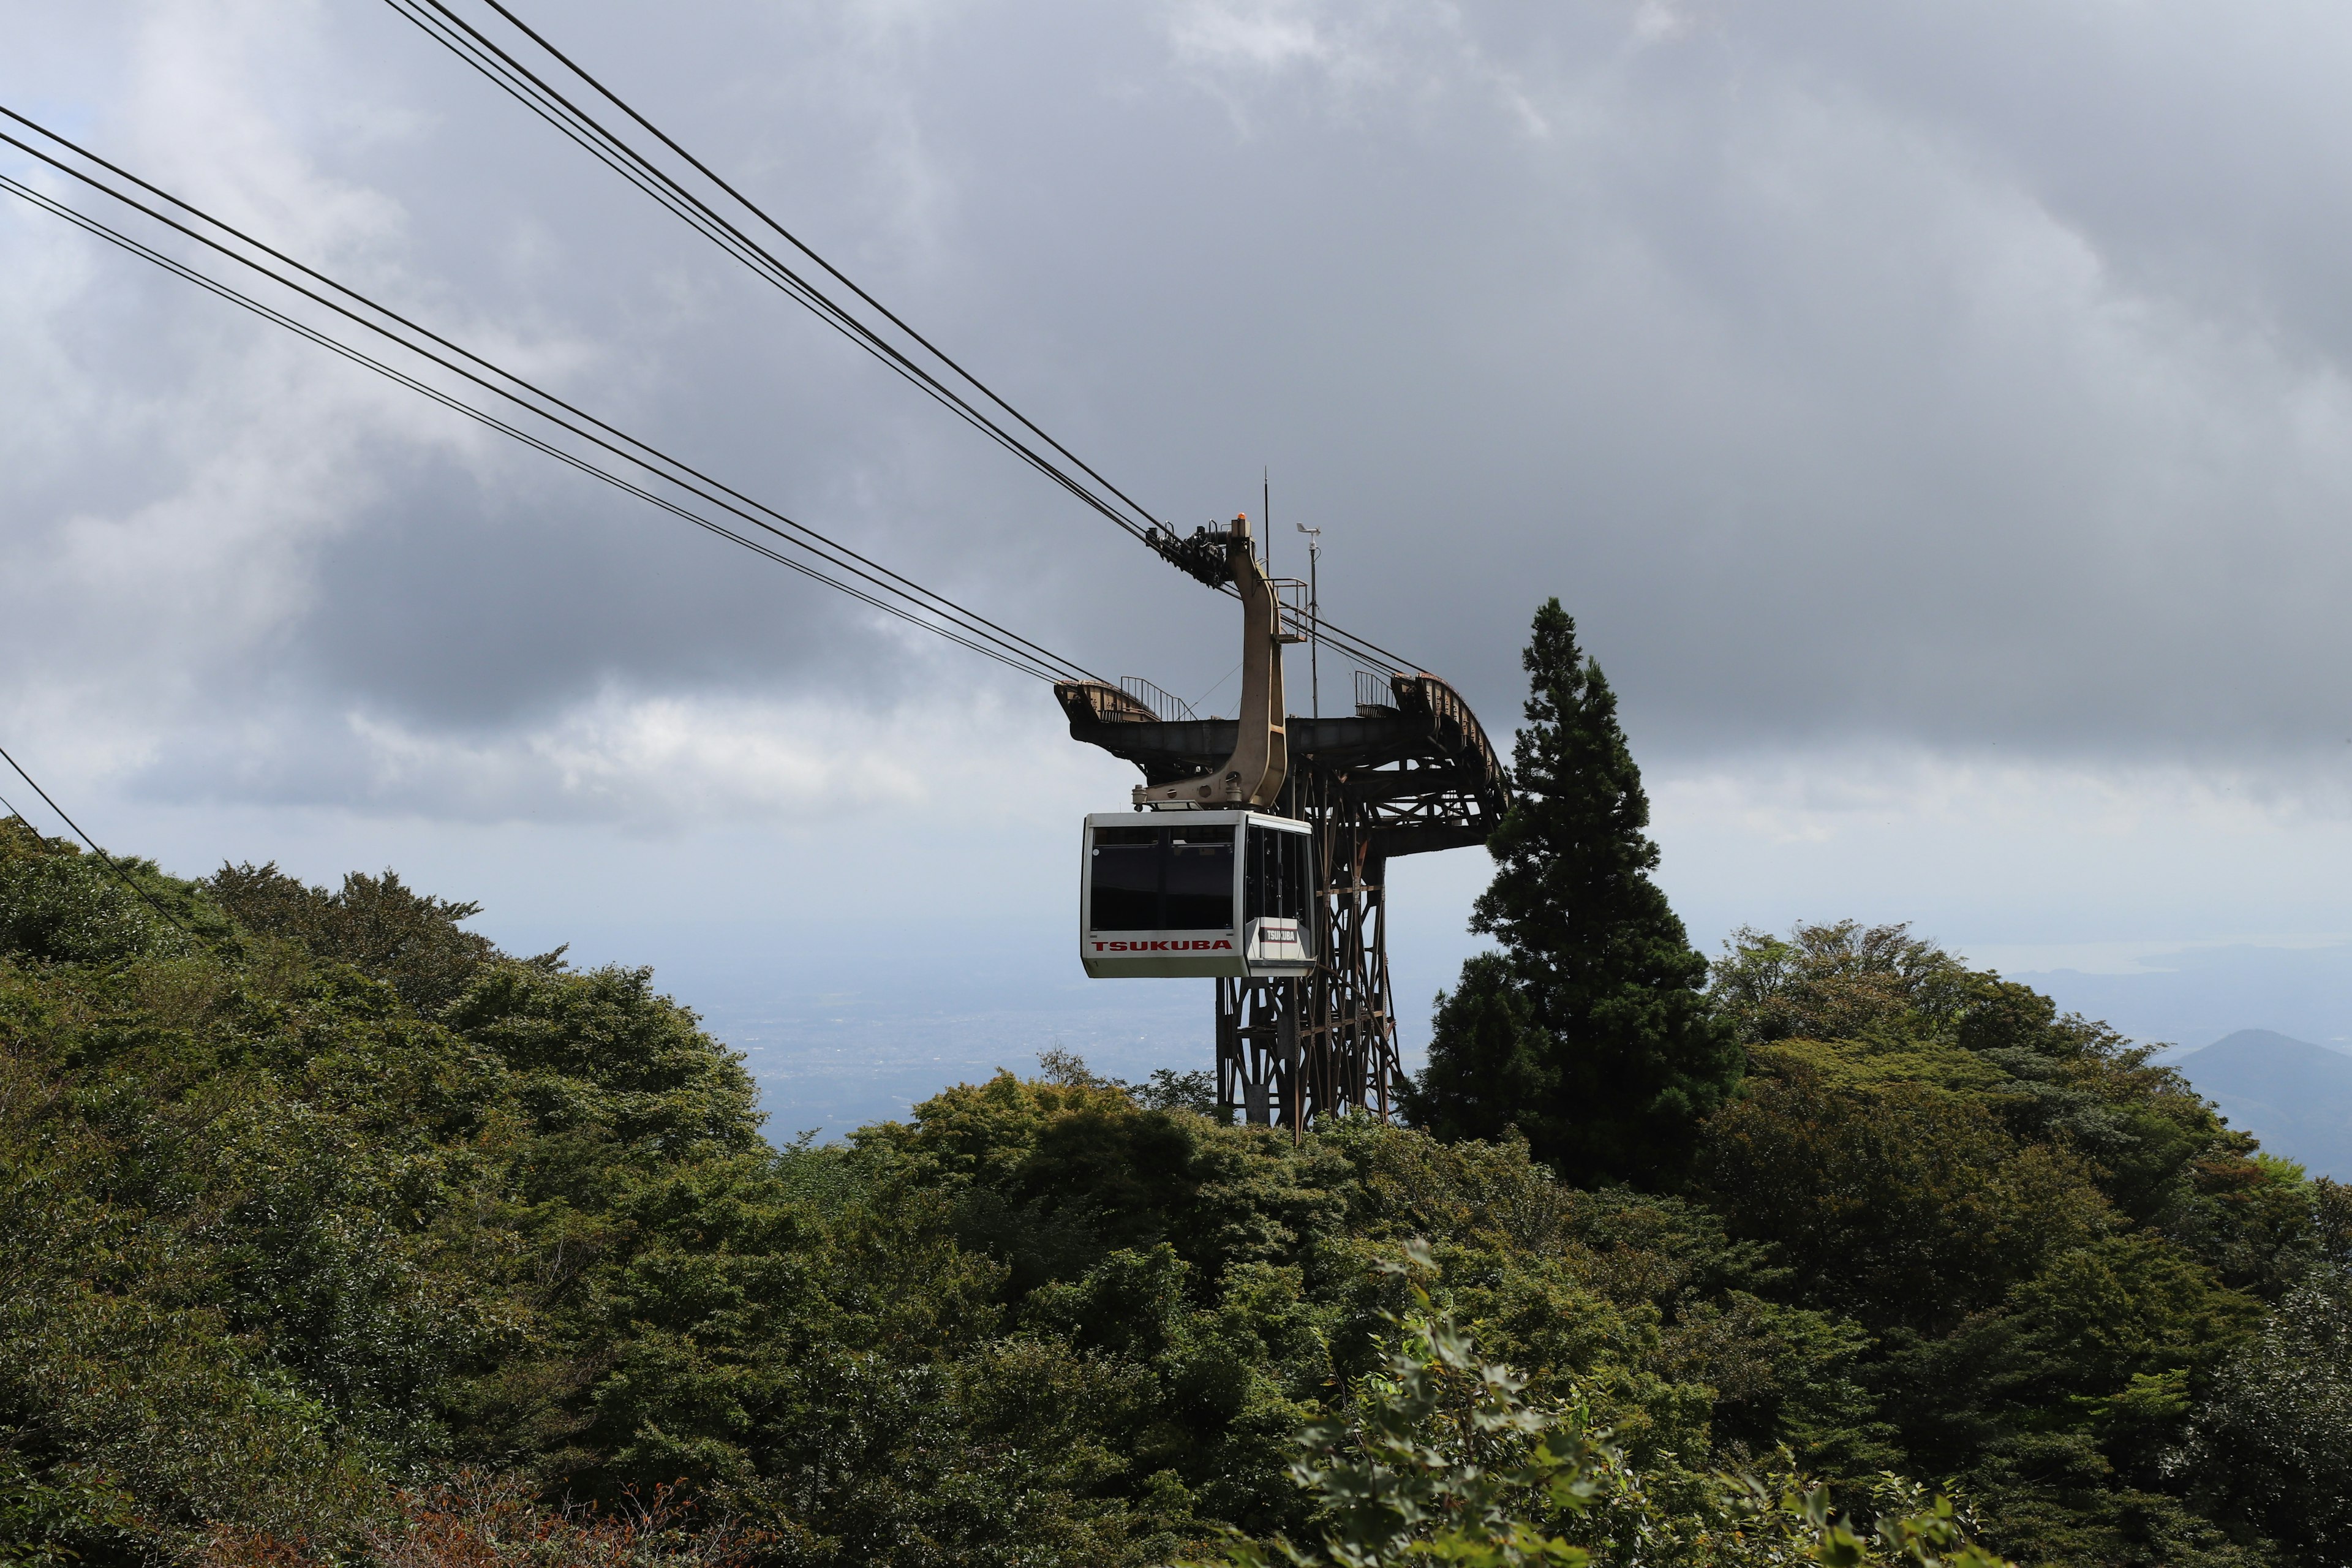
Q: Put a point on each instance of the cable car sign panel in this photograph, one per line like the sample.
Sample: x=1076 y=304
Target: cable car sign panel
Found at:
x=1196 y=893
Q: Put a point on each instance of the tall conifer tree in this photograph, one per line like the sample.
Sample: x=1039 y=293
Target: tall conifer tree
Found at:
x=1587 y=1031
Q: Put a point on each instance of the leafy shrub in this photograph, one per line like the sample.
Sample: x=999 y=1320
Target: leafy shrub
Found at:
x=2274 y=1434
x=1442 y=1458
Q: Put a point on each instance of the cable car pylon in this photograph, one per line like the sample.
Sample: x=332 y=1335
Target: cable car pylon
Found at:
x=1263 y=865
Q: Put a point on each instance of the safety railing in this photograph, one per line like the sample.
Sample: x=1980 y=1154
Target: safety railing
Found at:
x=1293 y=608
x=1166 y=706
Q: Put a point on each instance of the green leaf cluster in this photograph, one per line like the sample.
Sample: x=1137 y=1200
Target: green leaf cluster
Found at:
x=1442 y=1456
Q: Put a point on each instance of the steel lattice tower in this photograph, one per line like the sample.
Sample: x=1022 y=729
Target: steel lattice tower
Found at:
x=1411 y=771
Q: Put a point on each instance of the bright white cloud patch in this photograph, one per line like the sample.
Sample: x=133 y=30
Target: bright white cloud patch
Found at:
x=650 y=764
x=2012 y=861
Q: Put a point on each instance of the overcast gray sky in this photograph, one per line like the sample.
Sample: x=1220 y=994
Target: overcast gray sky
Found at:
x=1935 y=417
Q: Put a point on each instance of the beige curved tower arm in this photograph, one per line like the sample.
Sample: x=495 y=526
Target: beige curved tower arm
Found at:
x=1252 y=777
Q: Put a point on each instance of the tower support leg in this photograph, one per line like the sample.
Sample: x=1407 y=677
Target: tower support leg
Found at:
x=1290 y=1052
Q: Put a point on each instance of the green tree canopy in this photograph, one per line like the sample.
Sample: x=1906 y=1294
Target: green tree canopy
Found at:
x=412 y=940
x=1588 y=1031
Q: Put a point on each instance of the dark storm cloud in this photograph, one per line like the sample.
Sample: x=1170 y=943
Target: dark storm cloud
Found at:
x=1923 y=374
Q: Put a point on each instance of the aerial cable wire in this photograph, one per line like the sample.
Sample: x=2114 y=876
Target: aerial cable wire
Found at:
x=517 y=79
x=323 y=339
x=813 y=539
x=485 y=57
x=120 y=875
x=798 y=244
x=1008 y=648
x=327 y=341
x=437 y=21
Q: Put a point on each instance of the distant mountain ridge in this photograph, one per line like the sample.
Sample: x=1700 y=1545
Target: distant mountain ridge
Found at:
x=2294 y=1096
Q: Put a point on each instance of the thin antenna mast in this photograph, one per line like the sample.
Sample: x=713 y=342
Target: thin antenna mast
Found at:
x=1266 y=511
x=1314 y=616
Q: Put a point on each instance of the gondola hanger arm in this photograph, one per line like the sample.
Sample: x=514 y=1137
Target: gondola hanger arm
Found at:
x=1253 y=776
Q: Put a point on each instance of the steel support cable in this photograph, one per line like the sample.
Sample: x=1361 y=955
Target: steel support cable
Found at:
x=518 y=81
x=1369 y=654
x=1034 y=659
x=625 y=163
x=324 y=341
x=122 y=876
x=214 y=286
x=527 y=87
x=756 y=211
x=493 y=422
x=784 y=280
x=809 y=539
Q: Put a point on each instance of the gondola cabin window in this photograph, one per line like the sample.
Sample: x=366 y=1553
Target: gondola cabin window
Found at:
x=1161 y=879
x=1125 y=875
x=1200 y=879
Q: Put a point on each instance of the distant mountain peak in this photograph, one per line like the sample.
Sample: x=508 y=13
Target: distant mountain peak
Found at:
x=2268 y=1040
x=2296 y=1097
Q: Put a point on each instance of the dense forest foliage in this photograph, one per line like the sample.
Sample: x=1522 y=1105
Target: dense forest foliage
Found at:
x=329 y=1233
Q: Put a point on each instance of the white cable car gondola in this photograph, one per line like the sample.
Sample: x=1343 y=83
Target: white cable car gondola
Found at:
x=1196 y=893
